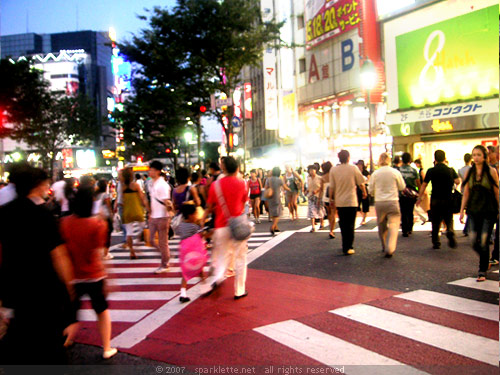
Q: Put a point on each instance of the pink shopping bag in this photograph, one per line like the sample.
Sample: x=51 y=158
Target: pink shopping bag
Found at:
x=193 y=256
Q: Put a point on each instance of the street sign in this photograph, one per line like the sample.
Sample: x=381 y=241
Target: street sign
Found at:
x=223 y=102
x=236 y=122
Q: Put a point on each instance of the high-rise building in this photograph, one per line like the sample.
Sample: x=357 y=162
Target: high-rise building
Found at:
x=72 y=62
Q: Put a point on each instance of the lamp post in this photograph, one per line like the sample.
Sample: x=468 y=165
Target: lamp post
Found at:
x=188 y=136
x=368 y=80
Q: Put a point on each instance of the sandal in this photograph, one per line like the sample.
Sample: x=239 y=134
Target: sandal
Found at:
x=481 y=278
x=332 y=236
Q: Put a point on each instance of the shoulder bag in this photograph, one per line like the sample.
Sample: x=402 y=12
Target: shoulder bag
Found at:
x=239 y=226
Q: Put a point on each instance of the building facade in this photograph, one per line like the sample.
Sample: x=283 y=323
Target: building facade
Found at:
x=443 y=91
x=73 y=63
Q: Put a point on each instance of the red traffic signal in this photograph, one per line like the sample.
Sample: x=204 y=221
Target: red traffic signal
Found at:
x=203 y=109
x=168 y=151
x=140 y=159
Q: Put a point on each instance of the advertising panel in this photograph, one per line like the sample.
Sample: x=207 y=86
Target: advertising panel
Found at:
x=248 y=100
x=449 y=61
x=327 y=19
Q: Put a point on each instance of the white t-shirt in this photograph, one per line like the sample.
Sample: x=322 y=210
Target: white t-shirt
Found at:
x=58 y=188
x=8 y=194
x=159 y=190
x=385 y=184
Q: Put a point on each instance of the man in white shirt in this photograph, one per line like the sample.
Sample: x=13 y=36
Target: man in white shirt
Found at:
x=385 y=185
x=159 y=219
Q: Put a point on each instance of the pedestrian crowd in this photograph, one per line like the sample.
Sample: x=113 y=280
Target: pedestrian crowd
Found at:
x=59 y=234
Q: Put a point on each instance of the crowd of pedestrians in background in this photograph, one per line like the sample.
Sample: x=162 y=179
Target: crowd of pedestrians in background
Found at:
x=70 y=223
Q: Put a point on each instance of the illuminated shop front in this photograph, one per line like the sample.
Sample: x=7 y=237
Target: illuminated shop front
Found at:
x=333 y=110
x=443 y=91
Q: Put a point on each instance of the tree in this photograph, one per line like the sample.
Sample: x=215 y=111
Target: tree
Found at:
x=198 y=48
x=44 y=120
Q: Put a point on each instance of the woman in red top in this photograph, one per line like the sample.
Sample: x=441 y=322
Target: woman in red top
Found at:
x=255 y=188
x=85 y=237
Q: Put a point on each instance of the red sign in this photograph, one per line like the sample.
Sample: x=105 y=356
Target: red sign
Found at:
x=332 y=19
x=491 y=142
x=248 y=100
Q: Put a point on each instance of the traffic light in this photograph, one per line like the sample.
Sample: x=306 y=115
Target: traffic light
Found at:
x=140 y=159
x=203 y=109
x=168 y=151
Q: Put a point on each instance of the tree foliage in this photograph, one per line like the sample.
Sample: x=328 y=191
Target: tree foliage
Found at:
x=45 y=121
x=196 y=49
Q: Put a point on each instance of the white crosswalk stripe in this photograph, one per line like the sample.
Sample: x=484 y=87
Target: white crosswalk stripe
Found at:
x=453 y=303
x=441 y=337
x=470 y=282
x=328 y=349
x=123 y=316
x=139 y=296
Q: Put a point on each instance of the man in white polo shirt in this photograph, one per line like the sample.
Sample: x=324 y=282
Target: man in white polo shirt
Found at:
x=159 y=220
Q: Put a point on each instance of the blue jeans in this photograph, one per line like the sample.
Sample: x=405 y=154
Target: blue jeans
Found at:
x=480 y=230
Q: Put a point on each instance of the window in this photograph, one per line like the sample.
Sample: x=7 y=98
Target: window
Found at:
x=302 y=65
x=300 y=22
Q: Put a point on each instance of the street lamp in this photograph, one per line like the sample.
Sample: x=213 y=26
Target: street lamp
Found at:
x=368 y=80
x=188 y=136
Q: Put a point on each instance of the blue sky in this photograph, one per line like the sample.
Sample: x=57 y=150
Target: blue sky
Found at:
x=52 y=16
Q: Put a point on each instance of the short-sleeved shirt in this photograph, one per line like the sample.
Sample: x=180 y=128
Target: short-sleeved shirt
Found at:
x=235 y=193
x=85 y=238
x=313 y=184
x=28 y=234
x=343 y=181
x=275 y=183
x=442 y=178
x=410 y=175
x=159 y=190
x=186 y=230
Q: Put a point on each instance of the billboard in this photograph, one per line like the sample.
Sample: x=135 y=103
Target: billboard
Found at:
x=327 y=19
x=449 y=60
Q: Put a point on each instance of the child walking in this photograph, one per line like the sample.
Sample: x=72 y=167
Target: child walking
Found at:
x=193 y=255
x=85 y=237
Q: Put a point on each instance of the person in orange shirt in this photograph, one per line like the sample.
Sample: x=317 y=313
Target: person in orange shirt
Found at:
x=85 y=238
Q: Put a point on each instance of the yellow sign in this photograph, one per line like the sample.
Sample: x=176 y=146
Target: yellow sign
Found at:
x=439 y=126
x=108 y=154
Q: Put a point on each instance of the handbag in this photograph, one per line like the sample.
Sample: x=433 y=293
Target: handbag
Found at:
x=176 y=221
x=239 y=226
x=409 y=193
x=268 y=193
x=456 y=201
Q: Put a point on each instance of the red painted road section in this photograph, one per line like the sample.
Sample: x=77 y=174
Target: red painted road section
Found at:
x=217 y=329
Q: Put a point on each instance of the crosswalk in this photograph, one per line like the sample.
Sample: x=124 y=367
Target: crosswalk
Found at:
x=370 y=226
x=431 y=328
x=133 y=283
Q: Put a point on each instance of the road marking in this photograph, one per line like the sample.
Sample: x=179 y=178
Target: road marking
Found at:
x=494 y=271
x=150 y=281
x=156 y=319
x=448 y=302
x=124 y=316
x=455 y=341
x=329 y=350
x=139 y=296
x=470 y=282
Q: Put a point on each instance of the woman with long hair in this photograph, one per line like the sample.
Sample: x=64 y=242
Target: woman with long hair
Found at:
x=480 y=201
x=329 y=206
x=364 y=204
x=134 y=203
x=102 y=209
x=255 y=189
x=294 y=183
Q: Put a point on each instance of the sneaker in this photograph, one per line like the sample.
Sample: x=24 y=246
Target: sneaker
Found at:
x=107 y=354
x=108 y=256
x=162 y=269
x=452 y=242
x=184 y=299
x=481 y=277
x=350 y=252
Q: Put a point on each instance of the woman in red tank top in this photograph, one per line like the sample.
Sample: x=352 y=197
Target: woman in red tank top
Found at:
x=255 y=189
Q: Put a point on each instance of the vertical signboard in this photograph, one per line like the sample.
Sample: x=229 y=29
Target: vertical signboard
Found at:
x=237 y=102
x=248 y=100
x=269 y=65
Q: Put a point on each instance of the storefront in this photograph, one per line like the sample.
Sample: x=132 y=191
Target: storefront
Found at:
x=333 y=113
x=443 y=91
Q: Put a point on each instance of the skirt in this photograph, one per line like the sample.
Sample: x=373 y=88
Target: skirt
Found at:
x=315 y=208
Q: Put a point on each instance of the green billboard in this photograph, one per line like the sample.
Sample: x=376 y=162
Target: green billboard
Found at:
x=456 y=59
